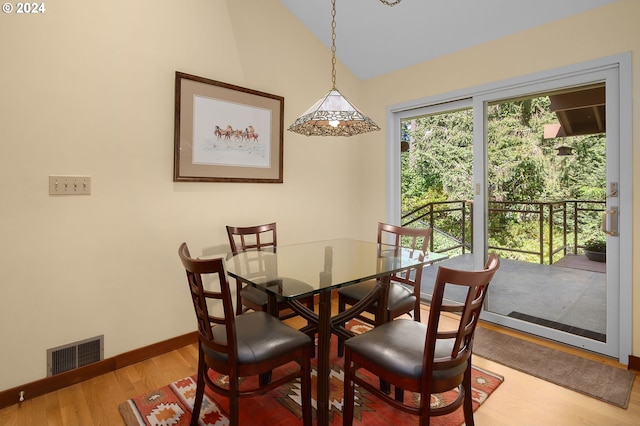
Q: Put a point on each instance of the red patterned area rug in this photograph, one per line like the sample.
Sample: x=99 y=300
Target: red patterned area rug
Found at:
x=172 y=404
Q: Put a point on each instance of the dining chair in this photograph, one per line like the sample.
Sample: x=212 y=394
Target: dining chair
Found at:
x=423 y=358
x=261 y=237
x=240 y=346
x=404 y=291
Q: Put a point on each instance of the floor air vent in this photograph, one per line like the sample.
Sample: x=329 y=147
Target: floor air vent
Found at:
x=74 y=355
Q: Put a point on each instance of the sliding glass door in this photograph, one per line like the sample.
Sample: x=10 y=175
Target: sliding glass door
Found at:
x=546 y=194
x=531 y=171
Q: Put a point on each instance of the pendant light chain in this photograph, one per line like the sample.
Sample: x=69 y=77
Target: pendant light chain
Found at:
x=333 y=43
x=390 y=3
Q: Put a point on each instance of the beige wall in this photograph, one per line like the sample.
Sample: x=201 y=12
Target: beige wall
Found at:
x=87 y=88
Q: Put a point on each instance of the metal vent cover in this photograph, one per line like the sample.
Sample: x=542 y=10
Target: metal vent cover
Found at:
x=73 y=355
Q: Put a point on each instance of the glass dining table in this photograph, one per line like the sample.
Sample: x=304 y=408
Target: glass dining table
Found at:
x=291 y=272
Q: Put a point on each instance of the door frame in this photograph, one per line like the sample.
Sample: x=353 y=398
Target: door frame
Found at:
x=477 y=97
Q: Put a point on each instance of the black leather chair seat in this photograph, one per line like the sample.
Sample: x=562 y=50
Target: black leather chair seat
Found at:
x=399 y=295
x=260 y=337
x=399 y=347
x=288 y=285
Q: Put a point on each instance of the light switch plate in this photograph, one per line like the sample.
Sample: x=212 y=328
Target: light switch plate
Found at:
x=69 y=185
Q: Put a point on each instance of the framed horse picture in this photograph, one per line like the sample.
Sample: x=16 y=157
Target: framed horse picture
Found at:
x=226 y=133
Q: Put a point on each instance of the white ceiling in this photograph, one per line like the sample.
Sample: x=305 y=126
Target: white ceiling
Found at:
x=374 y=39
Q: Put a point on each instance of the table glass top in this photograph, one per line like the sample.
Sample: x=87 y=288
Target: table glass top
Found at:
x=293 y=271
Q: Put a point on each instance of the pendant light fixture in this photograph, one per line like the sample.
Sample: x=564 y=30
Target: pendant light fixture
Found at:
x=333 y=114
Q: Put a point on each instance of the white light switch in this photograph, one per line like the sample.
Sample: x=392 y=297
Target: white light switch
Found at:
x=69 y=185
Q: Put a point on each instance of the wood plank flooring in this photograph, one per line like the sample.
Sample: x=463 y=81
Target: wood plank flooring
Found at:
x=521 y=399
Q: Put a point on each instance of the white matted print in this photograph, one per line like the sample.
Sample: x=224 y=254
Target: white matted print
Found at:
x=230 y=134
x=226 y=133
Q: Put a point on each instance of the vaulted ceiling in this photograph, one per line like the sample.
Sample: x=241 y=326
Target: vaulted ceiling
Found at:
x=374 y=39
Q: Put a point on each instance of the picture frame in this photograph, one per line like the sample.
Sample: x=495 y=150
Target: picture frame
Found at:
x=226 y=133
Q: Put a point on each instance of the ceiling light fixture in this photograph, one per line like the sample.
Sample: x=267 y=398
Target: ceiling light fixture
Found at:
x=333 y=114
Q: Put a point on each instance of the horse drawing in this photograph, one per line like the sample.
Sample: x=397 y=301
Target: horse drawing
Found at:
x=218 y=132
x=251 y=134
x=238 y=135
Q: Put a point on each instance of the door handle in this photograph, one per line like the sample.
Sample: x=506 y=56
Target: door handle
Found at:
x=613 y=221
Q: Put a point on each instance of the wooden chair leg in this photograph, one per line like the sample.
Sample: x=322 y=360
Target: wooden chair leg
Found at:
x=349 y=392
x=468 y=402
x=265 y=378
x=399 y=394
x=425 y=420
x=341 y=308
x=425 y=407
x=305 y=382
x=234 y=407
x=200 y=385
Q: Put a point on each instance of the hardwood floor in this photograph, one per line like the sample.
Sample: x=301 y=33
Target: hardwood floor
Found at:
x=520 y=400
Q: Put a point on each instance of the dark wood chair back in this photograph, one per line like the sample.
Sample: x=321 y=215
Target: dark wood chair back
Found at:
x=214 y=269
x=258 y=237
x=460 y=339
x=242 y=238
x=240 y=346
x=425 y=359
x=404 y=292
x=416 y=239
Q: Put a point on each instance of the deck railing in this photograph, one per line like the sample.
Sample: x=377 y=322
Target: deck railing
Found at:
x=559 y=226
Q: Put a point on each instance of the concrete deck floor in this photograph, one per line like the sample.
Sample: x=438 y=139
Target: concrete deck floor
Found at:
x=561 y=297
